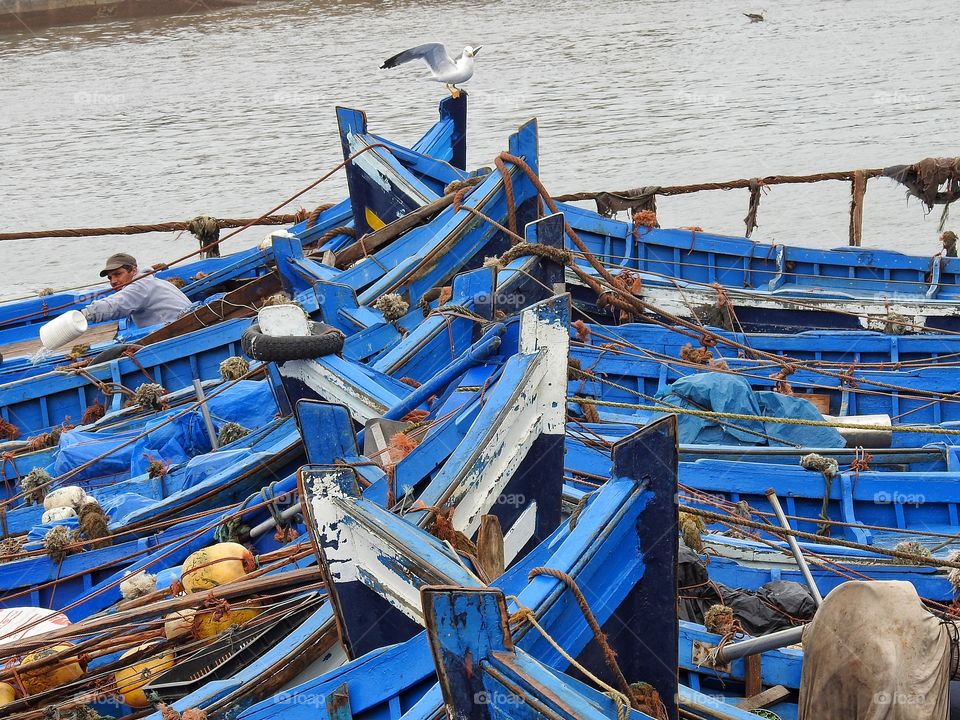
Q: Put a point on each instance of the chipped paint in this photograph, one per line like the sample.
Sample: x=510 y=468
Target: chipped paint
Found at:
x=379 y=172
x=331 y=387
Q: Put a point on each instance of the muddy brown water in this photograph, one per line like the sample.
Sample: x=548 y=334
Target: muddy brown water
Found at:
x=225 y=112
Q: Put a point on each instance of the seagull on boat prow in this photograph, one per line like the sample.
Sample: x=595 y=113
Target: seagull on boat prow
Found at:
x=443 y=68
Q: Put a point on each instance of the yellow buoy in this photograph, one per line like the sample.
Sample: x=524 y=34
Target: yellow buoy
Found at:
x=50 y=676
x=213 y=622
x=131 y=679
x=218 y=564
x=178 y=623
x=7 y=694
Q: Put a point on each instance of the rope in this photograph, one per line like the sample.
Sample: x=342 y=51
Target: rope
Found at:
x=621 y=700
x=727 y=519
x=246 y=224
x=609 y=656
x=764 y=419
x=144 y=228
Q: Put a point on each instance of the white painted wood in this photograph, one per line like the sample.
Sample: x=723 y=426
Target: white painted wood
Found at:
x=521 y=532
x=332 y=388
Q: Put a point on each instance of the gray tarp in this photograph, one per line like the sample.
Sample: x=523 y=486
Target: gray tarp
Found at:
x=874 y=652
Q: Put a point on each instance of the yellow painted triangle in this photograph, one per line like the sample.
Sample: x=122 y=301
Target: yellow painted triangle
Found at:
x=373 y=221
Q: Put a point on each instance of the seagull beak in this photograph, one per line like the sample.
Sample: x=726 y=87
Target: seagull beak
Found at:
x=477 y=49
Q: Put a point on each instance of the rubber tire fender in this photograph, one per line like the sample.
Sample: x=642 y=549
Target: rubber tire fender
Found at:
x=323 y=340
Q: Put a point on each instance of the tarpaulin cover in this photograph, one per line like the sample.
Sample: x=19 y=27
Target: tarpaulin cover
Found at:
x=249 y=403
x=775 y=606
x=198 y=469
x=721 y=392
x=874 y=652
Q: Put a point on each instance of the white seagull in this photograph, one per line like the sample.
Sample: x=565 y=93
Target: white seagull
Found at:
x=443 y=68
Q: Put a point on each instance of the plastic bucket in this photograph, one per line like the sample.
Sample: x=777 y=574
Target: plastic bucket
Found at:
x=63 y=329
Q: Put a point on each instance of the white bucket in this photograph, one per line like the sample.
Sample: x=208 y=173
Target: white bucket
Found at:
x=63 y=329
x=280 y=320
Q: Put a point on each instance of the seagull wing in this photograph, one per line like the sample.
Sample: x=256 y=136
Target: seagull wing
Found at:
x=433 y=54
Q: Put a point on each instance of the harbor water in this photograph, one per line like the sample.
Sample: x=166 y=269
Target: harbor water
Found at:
x=227 y=112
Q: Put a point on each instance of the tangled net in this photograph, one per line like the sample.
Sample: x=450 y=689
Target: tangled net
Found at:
x=692 y=529
x=34 y=485
x=828 y=466
x=150 y=396
x=138 y=585
x=719 y=619
x=168 y=713
x=10 y=547
x=8 y=431
x=392 y=305
x=234 y=368
x=94 y=525
x=914 y=548
x=44 y=440
x=44 y=292
x=954 y=575
x=645 y=218
x=583 y=332
x=279 y=298
x=93 y=413
x=647 y=700
x=56 y=542
x=78 y=351
x=157 y=468
x=231 y=432
x=698 y=356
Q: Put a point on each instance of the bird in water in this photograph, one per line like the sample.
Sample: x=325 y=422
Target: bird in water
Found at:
x=443 y=68
x=756 y=17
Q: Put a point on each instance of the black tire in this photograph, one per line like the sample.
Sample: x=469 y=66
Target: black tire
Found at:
x=113 y=353
x=322 y=340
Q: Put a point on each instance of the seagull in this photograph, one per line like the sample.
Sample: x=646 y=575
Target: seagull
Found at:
x=755 y=17
x=443 y=68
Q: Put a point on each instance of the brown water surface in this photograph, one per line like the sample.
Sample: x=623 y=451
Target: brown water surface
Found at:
x=226 y=112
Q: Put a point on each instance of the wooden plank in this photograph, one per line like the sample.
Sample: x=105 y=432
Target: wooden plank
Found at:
x=242 y=302
x=767 y=698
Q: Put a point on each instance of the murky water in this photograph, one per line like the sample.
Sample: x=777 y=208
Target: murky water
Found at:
x=227 y=112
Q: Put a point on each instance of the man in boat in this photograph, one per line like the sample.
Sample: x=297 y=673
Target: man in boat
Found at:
x=144 y=299
x=949 y=240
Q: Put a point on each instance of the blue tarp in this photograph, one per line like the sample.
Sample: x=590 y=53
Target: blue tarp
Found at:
x=721 y=392
x=250 y=403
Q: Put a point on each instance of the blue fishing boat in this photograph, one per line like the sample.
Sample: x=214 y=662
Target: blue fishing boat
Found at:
x=582 y=551
x=175 y=355
x=762 y=287
x=484 y=675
